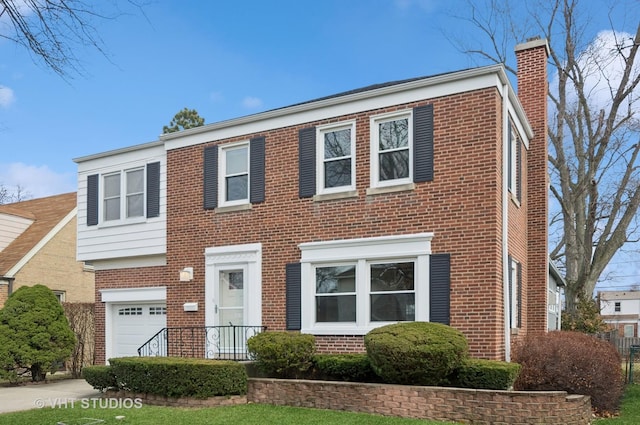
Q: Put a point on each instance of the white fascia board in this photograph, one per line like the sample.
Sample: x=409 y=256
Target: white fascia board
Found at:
x=427 y=88
x=139 y=147
x=41 y=243
x=155 y=293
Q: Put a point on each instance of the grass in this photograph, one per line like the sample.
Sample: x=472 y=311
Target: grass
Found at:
x=629 y=411
x=238 y=415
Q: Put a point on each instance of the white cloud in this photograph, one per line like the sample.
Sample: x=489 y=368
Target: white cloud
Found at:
x=36 y=181
x=216 y=96
x=426 y=5
x=251 y=102
x=7 y=97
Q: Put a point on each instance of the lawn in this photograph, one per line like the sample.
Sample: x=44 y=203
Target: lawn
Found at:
x=630 y=410
x=238 y=415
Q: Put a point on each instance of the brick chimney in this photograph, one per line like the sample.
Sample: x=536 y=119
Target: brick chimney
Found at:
x=532 y=91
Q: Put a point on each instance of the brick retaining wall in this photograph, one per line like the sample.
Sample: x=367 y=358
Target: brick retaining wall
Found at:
x=486 y=407
x=437 y=403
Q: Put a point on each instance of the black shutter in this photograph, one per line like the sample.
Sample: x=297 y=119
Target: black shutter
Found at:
x=92 y=200
x=423 y=143
x=256 y=170
x=210 y=177
x=510 y=281
x=440 y=288
x=307 y=162
x=294 y=296
x=153 y=189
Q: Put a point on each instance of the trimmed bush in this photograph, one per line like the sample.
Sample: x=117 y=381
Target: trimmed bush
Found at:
x=486 y=374
x=282 y=354
x=344 y=367
x=415 y=353
x=100 y=377
x=572 y=362
x=179 y=377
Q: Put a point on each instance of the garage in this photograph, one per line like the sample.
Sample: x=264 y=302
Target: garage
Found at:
x=134 y=324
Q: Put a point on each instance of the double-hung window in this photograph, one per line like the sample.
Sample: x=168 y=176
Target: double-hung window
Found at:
x=234 y=174
x=336 y=157
x=391 y=147
x=124 y=195
x=352 y=286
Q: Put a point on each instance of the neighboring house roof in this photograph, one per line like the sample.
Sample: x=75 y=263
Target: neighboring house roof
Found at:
x=619 y=295
x=48 y=215
x=555 y=273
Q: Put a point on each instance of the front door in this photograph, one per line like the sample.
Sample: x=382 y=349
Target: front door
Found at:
x=229 y=294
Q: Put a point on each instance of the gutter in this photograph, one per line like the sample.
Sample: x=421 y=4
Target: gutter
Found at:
x=9 y=280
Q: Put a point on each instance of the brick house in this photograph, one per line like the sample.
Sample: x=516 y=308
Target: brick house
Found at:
x=38 y=246
x=422 y=199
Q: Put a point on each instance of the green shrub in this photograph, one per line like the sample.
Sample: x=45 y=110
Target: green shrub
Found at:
x=486 y=374
x=100 y=377
x=179 y=377
x=34 y=333
x=574 y=362
x=415 y=353
x=282 y=354
x=344 y=367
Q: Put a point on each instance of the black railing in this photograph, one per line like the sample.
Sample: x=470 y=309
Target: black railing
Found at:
x=212 y=342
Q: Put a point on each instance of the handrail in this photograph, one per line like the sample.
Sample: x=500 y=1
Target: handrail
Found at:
x=227 y=342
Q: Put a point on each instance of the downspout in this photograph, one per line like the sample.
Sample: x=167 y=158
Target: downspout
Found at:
x=505 y=222
x=9 y=281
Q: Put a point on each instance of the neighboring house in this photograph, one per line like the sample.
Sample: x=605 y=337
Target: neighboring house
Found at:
x=422 y=199
x=38 y=246
x=554 y=299
x=621 y=309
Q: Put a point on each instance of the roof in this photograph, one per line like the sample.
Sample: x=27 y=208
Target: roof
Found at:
x=46 y=214
x=619 y=295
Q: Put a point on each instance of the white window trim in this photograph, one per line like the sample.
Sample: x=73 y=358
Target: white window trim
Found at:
x=103 y=222
x=222 y=171
x=375 y=137
x=320 y=132
x=362 y=252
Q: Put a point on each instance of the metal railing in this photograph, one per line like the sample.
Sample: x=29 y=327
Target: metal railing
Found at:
x=212 y=342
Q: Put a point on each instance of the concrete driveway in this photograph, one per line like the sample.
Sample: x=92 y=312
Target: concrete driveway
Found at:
x=53 y=394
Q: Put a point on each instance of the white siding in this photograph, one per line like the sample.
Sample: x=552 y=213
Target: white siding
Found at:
x=11 y=226
x=147 y=237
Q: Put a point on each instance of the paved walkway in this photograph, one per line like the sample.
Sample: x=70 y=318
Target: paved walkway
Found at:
x=50 y=394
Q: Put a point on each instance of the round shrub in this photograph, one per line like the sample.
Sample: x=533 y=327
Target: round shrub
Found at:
x=573 y=362
x=100 y=377
x=282 y=354
x=415 y=353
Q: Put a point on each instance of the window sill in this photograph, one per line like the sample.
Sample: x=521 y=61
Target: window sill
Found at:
x=515 y=331
x=390 y=189
x=232 y=208
x=515 y=200
x=334 y=196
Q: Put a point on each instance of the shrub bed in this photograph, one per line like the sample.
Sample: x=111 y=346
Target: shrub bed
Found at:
x=179 y=377
x=572 y=362
x=100 y=377
x=344 y=367
x=415 y=353
x=485 y=374
x=282 y=354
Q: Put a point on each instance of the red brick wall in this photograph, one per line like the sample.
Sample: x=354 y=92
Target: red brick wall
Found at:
x=461 y=206
x=532 y=91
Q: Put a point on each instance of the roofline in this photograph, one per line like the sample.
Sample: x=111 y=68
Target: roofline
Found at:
x=133 y=148
x=555 y=272
x=41 y=243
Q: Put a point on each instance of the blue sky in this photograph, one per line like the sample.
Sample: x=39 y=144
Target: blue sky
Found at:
x=223 y=58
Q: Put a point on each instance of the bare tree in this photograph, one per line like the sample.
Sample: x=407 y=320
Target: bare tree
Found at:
x=53 y=30
x=594 y=123
x=9 y=196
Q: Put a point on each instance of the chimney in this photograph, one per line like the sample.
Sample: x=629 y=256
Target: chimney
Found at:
x=532 y=91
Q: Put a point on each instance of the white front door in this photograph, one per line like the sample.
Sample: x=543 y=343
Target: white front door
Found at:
x=229 y=293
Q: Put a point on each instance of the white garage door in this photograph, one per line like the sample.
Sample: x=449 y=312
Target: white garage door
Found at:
x=134 y=324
